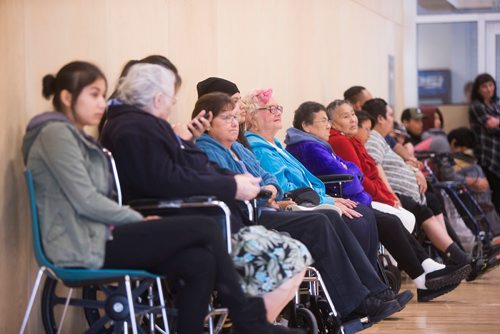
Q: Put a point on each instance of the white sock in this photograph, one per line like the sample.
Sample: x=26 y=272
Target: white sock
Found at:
x=430 y=265
x=420 y=282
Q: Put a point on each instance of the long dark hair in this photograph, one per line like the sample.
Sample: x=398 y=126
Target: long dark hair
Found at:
x=73 y=77
x=481 y=79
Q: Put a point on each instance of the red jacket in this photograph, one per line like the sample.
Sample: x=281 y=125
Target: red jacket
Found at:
x=351 y=149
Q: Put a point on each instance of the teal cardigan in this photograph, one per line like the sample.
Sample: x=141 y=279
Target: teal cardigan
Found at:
x=289 y=172
x=221 y=156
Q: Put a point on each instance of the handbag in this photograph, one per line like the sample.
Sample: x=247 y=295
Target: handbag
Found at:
x=304 y=196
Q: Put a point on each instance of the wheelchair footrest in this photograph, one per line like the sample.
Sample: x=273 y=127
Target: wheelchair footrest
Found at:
x=356 y=325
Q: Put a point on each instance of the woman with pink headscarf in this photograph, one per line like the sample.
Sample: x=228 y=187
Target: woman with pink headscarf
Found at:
x=263 y=123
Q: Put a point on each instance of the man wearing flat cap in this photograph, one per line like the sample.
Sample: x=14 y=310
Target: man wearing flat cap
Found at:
x=412 y=121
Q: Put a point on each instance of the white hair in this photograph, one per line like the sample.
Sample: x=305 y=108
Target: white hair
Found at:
x=143 y=82
x=252 y=106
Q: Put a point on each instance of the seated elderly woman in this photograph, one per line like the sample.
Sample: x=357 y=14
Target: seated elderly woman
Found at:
x=331 y=243
x=263 y=123
x=154 y=162
x=82 y=227
x=308 y=142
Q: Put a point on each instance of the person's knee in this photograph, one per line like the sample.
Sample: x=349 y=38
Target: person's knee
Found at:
x=198 y=263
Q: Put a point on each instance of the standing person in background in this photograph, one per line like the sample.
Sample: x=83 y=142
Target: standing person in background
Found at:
x=484 y=118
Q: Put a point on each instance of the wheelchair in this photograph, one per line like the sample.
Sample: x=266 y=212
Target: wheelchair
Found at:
x=312 y=308
x=314 y=311
x=387 y=270
x=462 y=200
x=115 y=301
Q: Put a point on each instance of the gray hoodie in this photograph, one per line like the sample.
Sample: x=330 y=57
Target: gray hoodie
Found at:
x=71 y=178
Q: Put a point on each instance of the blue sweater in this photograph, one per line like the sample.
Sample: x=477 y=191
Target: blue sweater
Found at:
x=318 y=157
x=289 y=172
x=221 y=156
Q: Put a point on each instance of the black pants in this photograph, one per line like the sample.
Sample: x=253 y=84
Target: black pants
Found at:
x=348 y=274
x=494 y=182
x=421 y=212
x=365 y=230
x=401 y=244
x=190 y=248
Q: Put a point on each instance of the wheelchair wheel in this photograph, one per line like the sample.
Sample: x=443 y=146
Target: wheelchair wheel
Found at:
x=52 y=304
x=306 y=320
x=103 y=316
x=327 y=324
x=394 y=279
x=93 y=315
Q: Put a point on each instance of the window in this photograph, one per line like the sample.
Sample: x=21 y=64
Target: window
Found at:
x=447 y=59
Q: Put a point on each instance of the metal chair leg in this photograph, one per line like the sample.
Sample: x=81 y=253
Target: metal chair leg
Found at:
x=63 y=315
x=41 y=271
x=210 y=321
x=162 y=303
x=130 y=304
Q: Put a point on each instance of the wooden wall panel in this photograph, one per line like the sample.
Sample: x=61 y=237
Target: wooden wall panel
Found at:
x=304 y=50
x=15 y=254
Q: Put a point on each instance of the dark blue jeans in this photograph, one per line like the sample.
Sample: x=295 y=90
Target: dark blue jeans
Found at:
x=348 y=274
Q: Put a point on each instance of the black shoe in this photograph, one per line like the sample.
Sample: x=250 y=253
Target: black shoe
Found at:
x=378 y=309
x=481 y=266
x=447 y=276
x=402 y=298
x=428 y=295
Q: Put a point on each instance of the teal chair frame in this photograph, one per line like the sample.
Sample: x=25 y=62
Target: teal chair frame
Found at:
x=78 y=277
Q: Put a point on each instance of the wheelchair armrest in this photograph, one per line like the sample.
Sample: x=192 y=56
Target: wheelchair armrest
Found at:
x=148 y=203
x=193 y=204
x=336 y=178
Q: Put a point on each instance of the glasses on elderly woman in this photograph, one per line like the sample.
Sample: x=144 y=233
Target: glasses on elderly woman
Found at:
x=323 y=121
x=230 y=117
x=275 y=110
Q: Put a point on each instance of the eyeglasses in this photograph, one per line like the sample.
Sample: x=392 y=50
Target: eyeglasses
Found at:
x=324 y=121
x=275 y=110
x=229 y=118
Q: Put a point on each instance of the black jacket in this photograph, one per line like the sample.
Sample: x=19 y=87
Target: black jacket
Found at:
x=153 y=162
